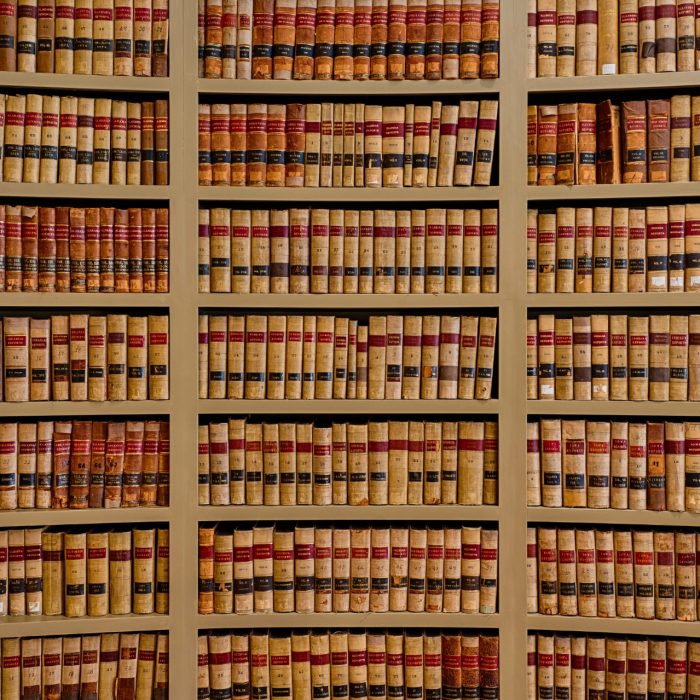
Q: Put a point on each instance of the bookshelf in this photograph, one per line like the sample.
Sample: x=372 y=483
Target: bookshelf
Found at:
x=511 y=408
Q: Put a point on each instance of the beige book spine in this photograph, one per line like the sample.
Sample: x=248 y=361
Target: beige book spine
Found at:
x=377 y=352
x=637 y=497
x=470 y=467
x=659 y=356
x=417 y=551
x=686 y=576
x=432 y=489
x=678 y=358
x=339 y=454
x=357 y=440
x=136 y=358
x=598 y=464
x=144 y=551
x=276 y=347
x=97 y=573
x=488 y=577
x=619 y=465
x=398 y=568
x=235 y=362
x=620 y=249
x=582 y=349
x=551 y=460
x=545 y=357
x=638 y=357
x=283 y=570
x=379 y=569
x=362 y=373
x=547 y=39
x=255 y=357
x=378 y=462
x=287 y=464
x=489 y=250
x=565 y=248
x=624 y=574
x=384 y=254
x=563 y=359
x=360 y=575
x=52 y=571
x=547 y=571
x=366 y=252
x=629 y=36
x=485 y=357
x=434 y=144
x=546 y=251
x=398 y=462
x=471 y=251
x=416 y=460
x=608 y=39
x=121 y=578
x=600 y=357
x=75 y=593
x=448 y=477
x=471 y=568
x=325 y=341
x=335 y=254
x=411 y=359
x=566 y=571
x=586 y=573
x=574 y=463
x=584 y=249
x=294 y=357
x=240 y=252
x=664 y=576
x=308 y=374
x=533 y=466
x=341 y=569
x=253 y=464
x=263 y=573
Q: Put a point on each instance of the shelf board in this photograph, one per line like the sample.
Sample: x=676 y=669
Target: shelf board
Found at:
x=348 y=195
x=21 y=409
x=61 y=191
x=614 y=625
x=453 y=513
x=347 y=301
x=69 y=300
x=612 y=408
x=642 y=190
x=633 y=81
x=352 y=620
x=61 y=81
x=319 y=407
x=609 y=300
x=37 y=625
x=611 y=516
x=31 y=517
x=347 y=88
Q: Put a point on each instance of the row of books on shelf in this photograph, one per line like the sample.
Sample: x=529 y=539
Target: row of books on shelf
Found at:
x=614 y=357
x=605 y=573
x=324 y=357
x=599 y=666
x=358 y=568
x=104 y=37
x=107 y=665
x=349 y=39
x=84 y=464
x=607 y=37
x=76 y=573
x=346 y=251
x=83 y=249
x=656 y=140
x=363 y=663
x=614 y=249
x=372 y=463
x=81 y=357
x=601 y=464
x=347 y=145
x=83 y=140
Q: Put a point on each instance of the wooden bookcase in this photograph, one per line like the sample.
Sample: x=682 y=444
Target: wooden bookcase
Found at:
x=183 y=194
